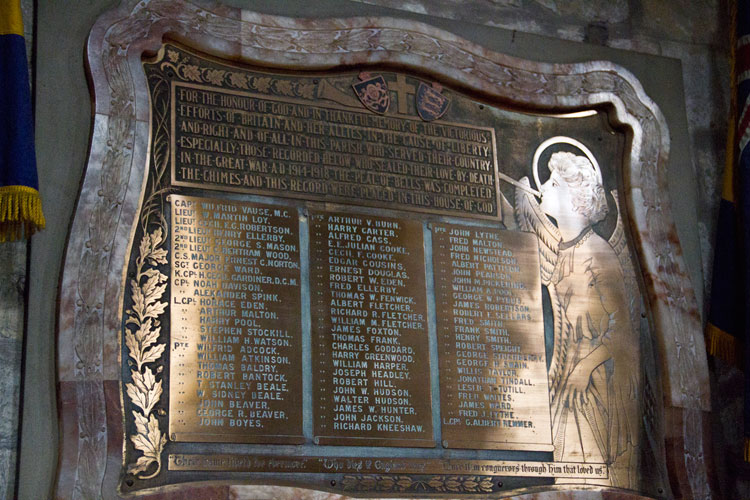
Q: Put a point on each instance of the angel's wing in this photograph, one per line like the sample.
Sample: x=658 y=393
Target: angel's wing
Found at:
x=564 y=334
x=649 y=393
x=530 y=217
x=617 y=240
x=619 y=244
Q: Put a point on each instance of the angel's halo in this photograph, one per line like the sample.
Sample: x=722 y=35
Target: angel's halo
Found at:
x=561 y=139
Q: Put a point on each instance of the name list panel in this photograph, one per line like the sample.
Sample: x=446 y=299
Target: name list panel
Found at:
x=235 y=360
x=371 y=365
x=493 y=373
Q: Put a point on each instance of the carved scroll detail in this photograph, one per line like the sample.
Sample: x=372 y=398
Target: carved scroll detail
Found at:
x=94 y=267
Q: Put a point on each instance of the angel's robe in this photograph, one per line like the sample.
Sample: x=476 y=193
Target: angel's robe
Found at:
x=594 y=372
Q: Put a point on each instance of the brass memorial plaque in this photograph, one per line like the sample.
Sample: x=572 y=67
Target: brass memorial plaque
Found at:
x=235 y=347
x=370 y=345
x=292 y=147
x=356 y=465
x=425 y=294
x=493 y=373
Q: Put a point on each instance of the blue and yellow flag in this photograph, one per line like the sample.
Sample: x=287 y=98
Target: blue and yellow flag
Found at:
x=20 y=205
x=728 y=329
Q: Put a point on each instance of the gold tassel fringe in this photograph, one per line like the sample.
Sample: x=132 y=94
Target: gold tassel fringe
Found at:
x=20 y=212
x=747 y=449
x=722 y=345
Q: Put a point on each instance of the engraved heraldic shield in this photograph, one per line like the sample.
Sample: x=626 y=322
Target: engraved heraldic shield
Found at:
x=373 y=92
x=431 y=104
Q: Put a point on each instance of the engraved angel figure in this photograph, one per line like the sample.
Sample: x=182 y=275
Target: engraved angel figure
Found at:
x=594 y=372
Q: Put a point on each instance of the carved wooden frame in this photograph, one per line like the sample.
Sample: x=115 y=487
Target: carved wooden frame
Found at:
x=92 y=285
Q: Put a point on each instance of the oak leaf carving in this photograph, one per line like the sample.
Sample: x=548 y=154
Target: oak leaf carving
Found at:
x=154 y=310
x=138 y=343
x=154 y=288
x=149 y=440
x=153 y=354
x=147 y=289
x=144 y=391
x=139 y=304
x=144 y=249
x=148 y=355
x=157 y=255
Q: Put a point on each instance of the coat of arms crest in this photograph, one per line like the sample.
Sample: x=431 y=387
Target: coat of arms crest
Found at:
x=431 y=104
x=373 y=92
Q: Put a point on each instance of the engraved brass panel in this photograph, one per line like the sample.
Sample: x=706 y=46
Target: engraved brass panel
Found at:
x=493 y=373
x=508 y=468
x=370 y=347
x=429 y=329
x=249 y=142
x=235 y=349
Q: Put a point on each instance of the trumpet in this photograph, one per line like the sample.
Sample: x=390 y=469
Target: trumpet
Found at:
x=521 y=185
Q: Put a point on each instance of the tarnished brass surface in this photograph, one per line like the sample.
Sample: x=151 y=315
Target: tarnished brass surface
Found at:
x=493 y=375
x=370 y=346
x=313 y=149
x=595 y=371
x=235 y=349
x=504 y=343
x=510 y=468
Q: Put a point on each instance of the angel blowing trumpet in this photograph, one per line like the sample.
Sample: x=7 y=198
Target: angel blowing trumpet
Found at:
x=594 y=375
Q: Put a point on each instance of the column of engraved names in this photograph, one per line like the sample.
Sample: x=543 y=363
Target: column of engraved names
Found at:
x=239 y=141
x=369 y=331
x=491 y=337
x=235 y=347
